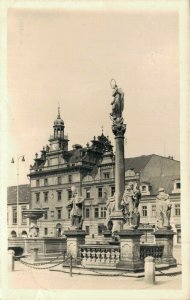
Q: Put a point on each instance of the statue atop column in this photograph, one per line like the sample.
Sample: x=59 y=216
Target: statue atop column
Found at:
x=163 y=209
x=75 y=204
x=130 y=203
x=117 y=104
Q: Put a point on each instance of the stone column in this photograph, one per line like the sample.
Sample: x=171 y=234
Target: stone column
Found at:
x=130 y=250
x=165 y=237
x=117 y=215
x=11 y=262
x=149 y=270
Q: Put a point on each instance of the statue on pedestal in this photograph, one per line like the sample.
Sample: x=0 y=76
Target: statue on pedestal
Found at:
x=110 y=206
x=130 y=202
x=76 y=209
x=163 y=209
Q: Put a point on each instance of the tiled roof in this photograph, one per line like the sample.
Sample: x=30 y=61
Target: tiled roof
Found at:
x=24 y=194
x=167 y=182
x=137 y=163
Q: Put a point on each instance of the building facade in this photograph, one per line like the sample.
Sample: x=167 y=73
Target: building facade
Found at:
x=17 y=225
x=91 y=170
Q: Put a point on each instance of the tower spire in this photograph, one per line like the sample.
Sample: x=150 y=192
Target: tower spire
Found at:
x=58 y=116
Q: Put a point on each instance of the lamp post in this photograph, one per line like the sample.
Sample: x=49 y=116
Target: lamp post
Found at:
x=17 y=197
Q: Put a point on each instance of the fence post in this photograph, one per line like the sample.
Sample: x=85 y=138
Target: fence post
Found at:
x=71 y=265
x=149 y=270
x=11 y=261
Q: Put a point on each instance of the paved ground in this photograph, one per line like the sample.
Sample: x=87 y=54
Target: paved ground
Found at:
x=27 y=278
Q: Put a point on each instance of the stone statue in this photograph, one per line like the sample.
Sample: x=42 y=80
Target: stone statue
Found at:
x=76 y=209
x=129 y=204
x=110 y=206
x=117 y=104
x=33 y=230
x=163 y=209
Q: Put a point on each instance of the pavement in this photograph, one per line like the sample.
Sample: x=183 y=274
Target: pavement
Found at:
x=25 y=277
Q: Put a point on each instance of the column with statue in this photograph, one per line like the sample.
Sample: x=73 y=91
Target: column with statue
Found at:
x=123 y=216
x=164 y=233
x=75 y=235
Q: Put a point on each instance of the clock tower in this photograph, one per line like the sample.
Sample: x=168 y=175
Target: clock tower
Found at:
x=58 y=141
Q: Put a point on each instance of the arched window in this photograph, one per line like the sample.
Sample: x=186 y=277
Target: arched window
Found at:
x=24 y=234
x=13 y=234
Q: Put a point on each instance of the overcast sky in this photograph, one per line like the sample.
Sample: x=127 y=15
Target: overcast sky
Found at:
x=69 y=57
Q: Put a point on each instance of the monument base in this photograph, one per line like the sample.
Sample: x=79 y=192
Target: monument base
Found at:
x=118 y=220
x=165 y=237
x=75 y=238
x=130 y=250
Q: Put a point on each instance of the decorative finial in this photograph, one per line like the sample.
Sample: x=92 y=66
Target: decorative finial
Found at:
x=58 y=112
x=102 y=130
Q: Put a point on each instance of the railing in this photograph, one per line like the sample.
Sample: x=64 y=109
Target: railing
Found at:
x=100 y=255
x=155 y=251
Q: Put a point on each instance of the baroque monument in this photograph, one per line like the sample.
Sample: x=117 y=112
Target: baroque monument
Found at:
x=123 y=214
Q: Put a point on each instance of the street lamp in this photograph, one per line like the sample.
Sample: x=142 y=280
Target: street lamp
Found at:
x=17 y=197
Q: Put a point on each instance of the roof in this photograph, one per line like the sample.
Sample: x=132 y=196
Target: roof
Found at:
x=166 y=182
x=137 y=163
x=24 y=194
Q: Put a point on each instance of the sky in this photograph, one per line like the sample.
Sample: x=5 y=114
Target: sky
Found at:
x=69 y=57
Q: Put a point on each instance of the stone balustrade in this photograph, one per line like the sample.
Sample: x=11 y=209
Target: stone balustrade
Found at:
x=100 y=255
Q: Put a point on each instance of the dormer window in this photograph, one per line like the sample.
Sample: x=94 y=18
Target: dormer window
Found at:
x=176 y=186
x=145 y=188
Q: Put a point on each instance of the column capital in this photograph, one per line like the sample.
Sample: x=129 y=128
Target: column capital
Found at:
x=119 y=130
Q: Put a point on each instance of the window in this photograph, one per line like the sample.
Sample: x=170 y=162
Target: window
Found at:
x=106 y=175
x=59 y=179
x=59 y=213
x=87 y=229
x=179 y=236
x=87 y=212
x=58 y=195
x=100 y=192
x=45 y=231
x=101 y=228
x=37 y=197
x=178 y=185
x=37 y=182
x=103 y=212
x=112 y=190
x=177 y=210
x=14 y=215
x=69 y=213
x=69 y=194
x=144 y=188
x=96 y=212
x=46 y=215
x=45 y=196
x=153 y=210
x=144 y=211
x=70 y=178
x=45 y=181
x=24 y=221
x=88 y=193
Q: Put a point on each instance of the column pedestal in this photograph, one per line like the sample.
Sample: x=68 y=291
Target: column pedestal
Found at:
x=130 y=250
x=165 y=237
x=75 y=238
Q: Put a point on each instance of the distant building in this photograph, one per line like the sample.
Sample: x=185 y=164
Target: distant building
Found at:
x=12 y=217
x=91 y=170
